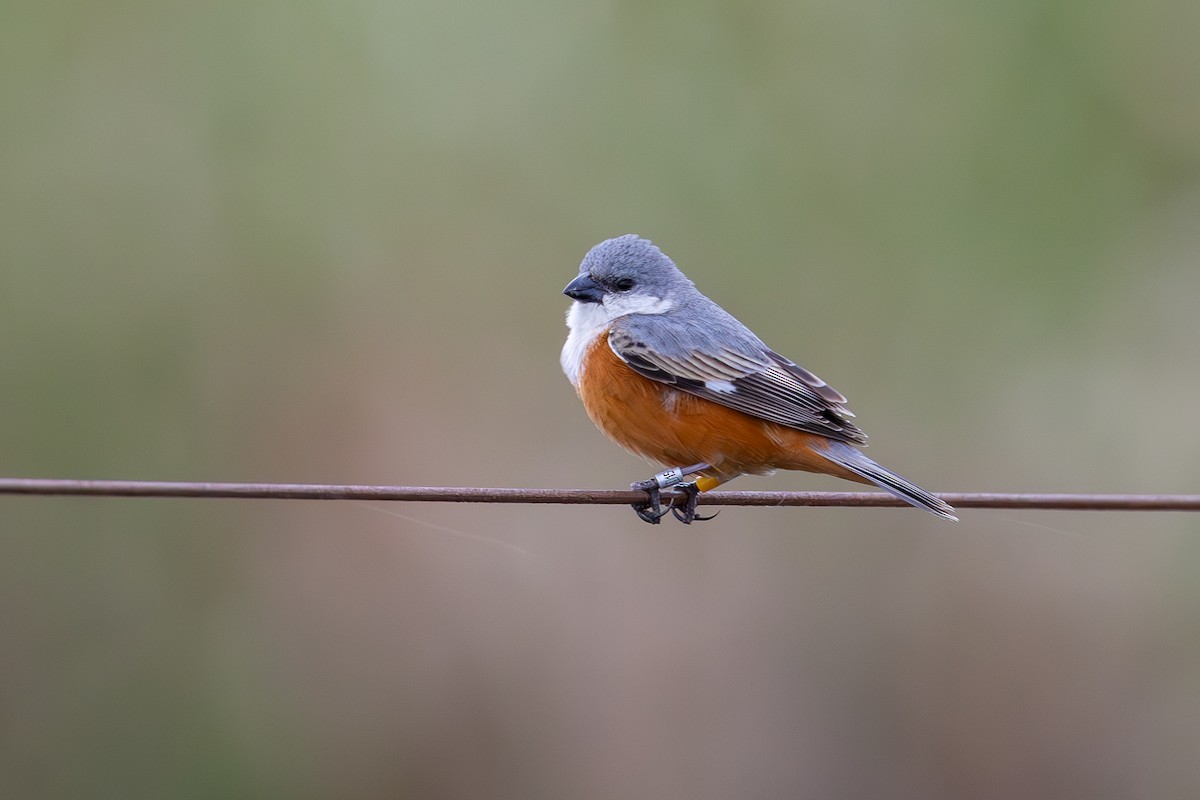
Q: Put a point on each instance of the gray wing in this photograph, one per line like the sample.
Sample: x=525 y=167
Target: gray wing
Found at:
x=733 y=367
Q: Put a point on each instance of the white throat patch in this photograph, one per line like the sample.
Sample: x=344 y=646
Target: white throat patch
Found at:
x=586 y=321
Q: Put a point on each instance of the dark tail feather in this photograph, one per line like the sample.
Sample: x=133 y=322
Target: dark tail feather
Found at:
x=853 y=459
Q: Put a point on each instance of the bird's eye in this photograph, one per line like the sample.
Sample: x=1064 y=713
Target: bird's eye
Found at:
x=624 y=285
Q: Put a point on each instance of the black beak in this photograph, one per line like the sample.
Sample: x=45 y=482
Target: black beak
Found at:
x=585 y=290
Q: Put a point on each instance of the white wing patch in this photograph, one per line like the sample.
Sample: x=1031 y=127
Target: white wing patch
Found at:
x=723 y=387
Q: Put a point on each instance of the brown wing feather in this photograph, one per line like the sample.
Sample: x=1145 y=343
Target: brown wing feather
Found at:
x=773 y=388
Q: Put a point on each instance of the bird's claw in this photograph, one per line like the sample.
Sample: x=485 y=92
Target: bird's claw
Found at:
x=686 y=513
x=649 y=510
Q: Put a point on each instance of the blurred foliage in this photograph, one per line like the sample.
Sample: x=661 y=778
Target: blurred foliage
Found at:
x=321 y=241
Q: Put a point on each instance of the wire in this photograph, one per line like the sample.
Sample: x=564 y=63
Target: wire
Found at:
x=450 y=494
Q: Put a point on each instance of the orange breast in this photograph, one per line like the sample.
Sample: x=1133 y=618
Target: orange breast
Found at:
x=678 y=429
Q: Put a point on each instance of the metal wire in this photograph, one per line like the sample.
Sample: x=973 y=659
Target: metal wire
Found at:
x=450 y=494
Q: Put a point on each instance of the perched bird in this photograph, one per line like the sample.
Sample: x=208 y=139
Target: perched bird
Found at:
x=671 y=376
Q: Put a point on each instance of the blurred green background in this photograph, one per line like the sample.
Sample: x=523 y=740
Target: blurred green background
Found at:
x=324 y=242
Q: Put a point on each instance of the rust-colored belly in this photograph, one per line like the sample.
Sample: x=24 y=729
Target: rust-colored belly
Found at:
x=674 y=428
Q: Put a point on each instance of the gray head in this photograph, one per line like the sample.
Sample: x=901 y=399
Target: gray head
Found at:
x=628 y=274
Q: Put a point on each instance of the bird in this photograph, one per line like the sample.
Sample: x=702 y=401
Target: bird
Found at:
x=672 y=377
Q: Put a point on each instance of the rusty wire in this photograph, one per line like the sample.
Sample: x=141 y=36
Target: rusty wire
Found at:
x=449 y=494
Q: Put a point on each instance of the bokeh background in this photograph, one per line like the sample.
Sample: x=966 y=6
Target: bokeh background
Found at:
x=324 y=242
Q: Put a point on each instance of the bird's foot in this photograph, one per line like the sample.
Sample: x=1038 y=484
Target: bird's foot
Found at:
x=651 y=509
x=686 y=512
